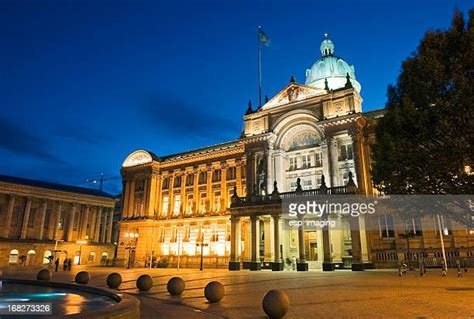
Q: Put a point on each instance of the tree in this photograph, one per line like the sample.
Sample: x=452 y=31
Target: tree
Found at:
x=424 y=143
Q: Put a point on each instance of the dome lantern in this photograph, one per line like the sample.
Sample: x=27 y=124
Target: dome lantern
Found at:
x=327 y=46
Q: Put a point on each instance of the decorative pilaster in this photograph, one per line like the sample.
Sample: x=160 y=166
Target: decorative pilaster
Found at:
x=85 y=222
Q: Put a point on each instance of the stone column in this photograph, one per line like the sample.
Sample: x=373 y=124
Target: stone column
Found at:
x=277 y=262
x=268 y=242
x=131 y=200
x=57 y=216
x=109 y=226
x=103 y=222
x=70 y=224
x=357 y=264
x=238 y=178
x=234 y=263
x=333 y=161
x=250 y=174
x=97 y=224
x=151 y=204
x=301 y=265
x=224 y=194
x=255 y=263
x=26 y=216
x=8 y=219
x=42 y=217
x=328 y=265
x=85 y=221
x=93 y=217
x=125 y=198
x=146 y=198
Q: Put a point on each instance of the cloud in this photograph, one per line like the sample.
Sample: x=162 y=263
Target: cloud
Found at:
x=179 y=117
x=18 y=141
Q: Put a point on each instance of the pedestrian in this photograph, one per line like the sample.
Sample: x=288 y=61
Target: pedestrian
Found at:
x=443 y=270
x=458 y=266
x=69 y=263
x=65 y=264
x=293 y=262
x=56 y=264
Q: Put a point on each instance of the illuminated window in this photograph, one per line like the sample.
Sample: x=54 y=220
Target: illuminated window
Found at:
x=217 y=201
x=177 y=205
x=202 y=202
x=61 y=219
x=345 y=152
x=216 y=176
x=386 y=226
x=231 y=173
x=166 y=183
x=166 y=205
x=306 y=161
x=413 y=226
x=293 y=163
x=202 y=178
x=190 y=180
x=307 y=184
x=318 y=160
x=13 y=256
x=177 y=181
x=189 y=204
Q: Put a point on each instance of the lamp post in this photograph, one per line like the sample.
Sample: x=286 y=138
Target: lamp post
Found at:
x=131 y=245
x=203 y=230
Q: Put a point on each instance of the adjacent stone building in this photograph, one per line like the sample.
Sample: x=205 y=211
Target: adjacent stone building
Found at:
x=41 y=221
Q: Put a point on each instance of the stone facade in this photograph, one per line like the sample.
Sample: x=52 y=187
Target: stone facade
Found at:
x=215 y=206
x=41 y=219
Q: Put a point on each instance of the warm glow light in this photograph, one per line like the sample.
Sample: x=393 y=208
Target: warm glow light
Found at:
x=81 y=242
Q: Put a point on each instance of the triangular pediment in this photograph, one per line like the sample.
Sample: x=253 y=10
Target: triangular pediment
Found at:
x=292 y=93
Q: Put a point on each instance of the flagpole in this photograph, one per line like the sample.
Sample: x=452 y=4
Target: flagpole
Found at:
x=259 y=68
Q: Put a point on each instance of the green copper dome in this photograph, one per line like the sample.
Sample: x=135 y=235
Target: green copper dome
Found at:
x=330 y=68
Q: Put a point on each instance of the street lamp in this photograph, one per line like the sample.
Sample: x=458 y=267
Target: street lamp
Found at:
x=131 y=245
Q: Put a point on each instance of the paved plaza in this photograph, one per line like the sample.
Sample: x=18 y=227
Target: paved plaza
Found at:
x=313 y=294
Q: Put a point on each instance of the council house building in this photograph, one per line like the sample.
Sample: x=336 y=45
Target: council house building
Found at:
x=221 y=206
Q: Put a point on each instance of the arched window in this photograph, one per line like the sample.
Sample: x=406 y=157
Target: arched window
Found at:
x=30 y=258
x=47 y=257
x=91 y=257
x=104 y=255
x=13 y=256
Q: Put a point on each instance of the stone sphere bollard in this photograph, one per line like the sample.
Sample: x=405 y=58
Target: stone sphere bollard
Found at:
x=275 y=303
x=214 y=291
x=144 y=283
x=175 y=286
x=114 y=280
x=44 y=275
x=82 y=277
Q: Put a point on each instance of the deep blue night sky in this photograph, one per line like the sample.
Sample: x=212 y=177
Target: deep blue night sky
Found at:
x=82 y=84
